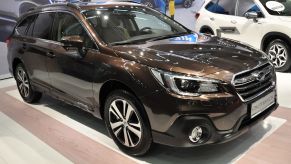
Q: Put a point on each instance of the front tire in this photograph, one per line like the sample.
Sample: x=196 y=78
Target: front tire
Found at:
x=279 y=53
x=24 y=86
x=127 y=123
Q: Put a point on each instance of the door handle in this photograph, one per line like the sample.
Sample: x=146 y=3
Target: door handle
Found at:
x=50 y=54
x=228 y=30
x=233 y=21
x=212 y=18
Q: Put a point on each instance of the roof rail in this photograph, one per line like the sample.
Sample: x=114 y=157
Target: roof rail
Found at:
x=73 y=5
x=130 y=1
x=31 y=9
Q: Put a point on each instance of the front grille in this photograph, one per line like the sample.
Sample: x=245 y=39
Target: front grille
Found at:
x=253 y=83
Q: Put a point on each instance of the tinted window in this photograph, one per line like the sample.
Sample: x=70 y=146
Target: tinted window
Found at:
x=222 y=6
x=42 y=25
x=31 y=27
x=67 y=25
x=247 y=6
x=22 y=27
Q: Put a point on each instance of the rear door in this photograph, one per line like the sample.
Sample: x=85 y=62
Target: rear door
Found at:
x=40 y=48
x=32 y=36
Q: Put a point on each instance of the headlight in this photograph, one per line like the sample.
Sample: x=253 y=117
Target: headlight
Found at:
x=187 y=85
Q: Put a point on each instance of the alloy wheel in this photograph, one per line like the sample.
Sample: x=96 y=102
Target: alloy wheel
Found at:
x=22 y=82
x=149 y=4
x=278 y=55
x=125 y=123
x=187 y=3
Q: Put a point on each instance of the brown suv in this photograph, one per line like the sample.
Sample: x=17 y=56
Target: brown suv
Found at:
x=147 y=76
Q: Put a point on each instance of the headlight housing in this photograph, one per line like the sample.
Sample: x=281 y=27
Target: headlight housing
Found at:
x=187 y=85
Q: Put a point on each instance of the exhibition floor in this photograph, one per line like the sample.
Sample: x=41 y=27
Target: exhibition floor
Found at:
x=53 y=132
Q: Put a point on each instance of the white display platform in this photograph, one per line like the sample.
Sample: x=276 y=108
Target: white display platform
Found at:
x=95 y=129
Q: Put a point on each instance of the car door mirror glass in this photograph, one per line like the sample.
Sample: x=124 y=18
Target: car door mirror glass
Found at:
x=73 y=41
x=251 y=15
x=74 y=46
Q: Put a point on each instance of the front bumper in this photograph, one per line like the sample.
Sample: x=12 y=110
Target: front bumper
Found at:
x=178 y=134
x=225 y=117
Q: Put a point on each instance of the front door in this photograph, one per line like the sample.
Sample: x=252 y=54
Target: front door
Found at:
x=71 y=69
x=248 y=28
x=224 y=17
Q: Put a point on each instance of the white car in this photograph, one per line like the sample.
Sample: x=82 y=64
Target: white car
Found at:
x=264 y=24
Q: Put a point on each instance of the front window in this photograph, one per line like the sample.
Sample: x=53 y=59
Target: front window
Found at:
x=128 y=24
x=68 y=25
x=278 y=7
x=245 y=6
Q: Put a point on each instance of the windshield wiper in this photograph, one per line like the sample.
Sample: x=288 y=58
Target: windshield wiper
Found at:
x=127 y=42
x=168 y=36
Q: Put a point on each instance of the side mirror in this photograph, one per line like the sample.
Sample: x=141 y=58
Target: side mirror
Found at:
x=72 y=41
x=252 y=15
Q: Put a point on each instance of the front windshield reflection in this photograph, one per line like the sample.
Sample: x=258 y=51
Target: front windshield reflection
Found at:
x=132 y=24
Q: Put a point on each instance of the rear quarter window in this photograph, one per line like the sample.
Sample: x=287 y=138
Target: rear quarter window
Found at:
x=23 y=26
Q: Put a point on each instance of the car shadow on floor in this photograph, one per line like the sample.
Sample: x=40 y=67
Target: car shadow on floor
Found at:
x=74 y=113
x=219 y=153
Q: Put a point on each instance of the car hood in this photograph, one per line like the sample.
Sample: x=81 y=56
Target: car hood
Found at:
x=195 y=54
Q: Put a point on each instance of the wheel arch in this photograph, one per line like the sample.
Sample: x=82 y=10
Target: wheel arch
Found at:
x=15 y=62
x=26 y=6
x=205 y=28
x=272 y=36
x=108 y=87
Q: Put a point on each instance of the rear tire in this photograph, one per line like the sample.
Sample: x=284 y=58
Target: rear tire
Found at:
x=149 y=3
x=24 y=86
x=25 y=7
x=187 y=3
x=127 y=123
x=279 y=53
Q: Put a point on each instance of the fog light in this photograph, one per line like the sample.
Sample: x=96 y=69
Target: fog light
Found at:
x=196 y=134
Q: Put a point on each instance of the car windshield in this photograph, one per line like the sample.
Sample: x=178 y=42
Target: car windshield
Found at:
x=132 y=24
x=278 y=7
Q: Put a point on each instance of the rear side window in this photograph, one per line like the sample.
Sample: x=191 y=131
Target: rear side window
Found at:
x=23 y=26
x=226 y=7
x=42 y=25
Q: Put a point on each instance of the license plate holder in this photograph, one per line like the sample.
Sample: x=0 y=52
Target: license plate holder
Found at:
x=262 y=104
